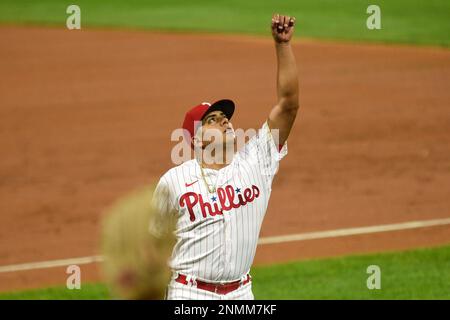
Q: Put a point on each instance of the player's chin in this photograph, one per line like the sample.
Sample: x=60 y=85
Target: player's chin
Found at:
x=225 y=140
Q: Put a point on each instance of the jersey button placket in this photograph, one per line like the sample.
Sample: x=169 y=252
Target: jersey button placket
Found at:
x=222 y=259
x=227 y=236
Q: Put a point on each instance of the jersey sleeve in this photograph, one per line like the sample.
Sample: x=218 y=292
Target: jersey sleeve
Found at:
x=163 y=209
x=264 y=148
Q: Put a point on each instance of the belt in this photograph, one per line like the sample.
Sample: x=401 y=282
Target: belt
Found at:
x=214 y=287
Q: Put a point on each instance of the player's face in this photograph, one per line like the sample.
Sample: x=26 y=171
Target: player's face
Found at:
x=221 y=126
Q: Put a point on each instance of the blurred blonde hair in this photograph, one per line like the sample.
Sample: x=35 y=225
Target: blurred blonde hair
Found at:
x=136 y=262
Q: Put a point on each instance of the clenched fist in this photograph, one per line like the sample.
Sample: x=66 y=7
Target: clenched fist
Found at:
x=282 y=28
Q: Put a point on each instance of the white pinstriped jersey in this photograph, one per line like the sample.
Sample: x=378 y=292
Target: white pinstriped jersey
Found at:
x=217 y=233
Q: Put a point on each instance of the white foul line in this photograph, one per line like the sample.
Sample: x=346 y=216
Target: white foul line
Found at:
x=50 y=264
x=354 y=231
x=262 y=241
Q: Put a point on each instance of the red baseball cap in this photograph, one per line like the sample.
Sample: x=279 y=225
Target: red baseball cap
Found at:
x=199 y=112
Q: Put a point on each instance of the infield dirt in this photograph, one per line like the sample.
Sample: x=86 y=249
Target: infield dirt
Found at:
x=86 y=116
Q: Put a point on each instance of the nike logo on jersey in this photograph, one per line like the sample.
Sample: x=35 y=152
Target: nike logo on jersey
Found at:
x=227 y=198
x=190 y=184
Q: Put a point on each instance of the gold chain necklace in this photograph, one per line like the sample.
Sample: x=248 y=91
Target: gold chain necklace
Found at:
x=208 y=186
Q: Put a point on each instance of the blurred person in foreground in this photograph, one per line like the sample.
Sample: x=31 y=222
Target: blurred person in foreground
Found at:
x=135 y=262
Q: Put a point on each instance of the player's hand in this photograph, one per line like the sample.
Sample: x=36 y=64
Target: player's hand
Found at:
x=282 y=28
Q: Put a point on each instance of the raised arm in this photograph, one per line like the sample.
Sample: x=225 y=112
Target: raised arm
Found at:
x=283 y=115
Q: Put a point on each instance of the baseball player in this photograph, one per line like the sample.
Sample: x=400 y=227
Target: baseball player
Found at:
x=220 y=202
x=135 y=262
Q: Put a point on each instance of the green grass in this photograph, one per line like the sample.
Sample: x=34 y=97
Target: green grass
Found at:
x=416 y=274
x=404 y=21
x=88 y=291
